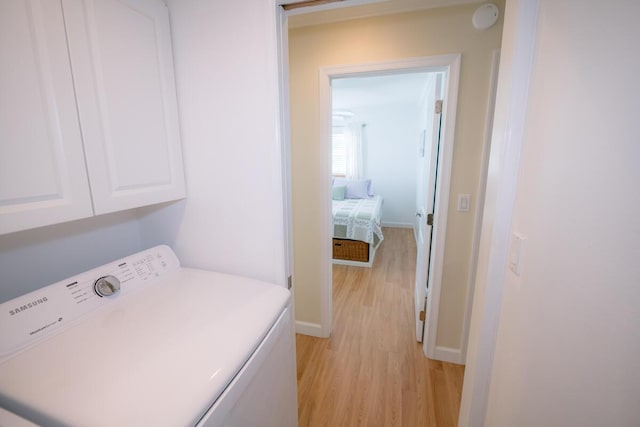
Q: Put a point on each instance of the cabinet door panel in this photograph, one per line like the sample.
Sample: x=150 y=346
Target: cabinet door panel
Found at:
x=123 y=71
x=43 y=177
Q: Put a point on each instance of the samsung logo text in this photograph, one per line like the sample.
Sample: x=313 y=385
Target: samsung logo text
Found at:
x=27 y=306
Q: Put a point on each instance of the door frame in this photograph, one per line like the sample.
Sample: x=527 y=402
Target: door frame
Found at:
x=517 y=59
x=519 y=33
x=450 y=64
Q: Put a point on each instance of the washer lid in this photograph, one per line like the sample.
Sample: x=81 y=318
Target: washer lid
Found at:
x=157 y=357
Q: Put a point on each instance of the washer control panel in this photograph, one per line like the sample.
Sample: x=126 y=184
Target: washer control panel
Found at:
x=34 y=316
x=106 y=286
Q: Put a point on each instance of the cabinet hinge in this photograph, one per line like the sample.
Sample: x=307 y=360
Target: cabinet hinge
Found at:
x=438 y=106
x=430 y=219
x=289 y=282
x=423 y=314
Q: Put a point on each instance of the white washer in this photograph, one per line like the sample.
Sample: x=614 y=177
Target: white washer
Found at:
x=172 y=347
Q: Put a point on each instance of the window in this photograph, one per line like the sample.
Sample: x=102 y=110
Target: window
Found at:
x=338 y=151
x=347 y=150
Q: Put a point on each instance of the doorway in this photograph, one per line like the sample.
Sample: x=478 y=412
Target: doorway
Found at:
x=522 y=62
x=446 y=66
x=385 y=130
x=315 y=47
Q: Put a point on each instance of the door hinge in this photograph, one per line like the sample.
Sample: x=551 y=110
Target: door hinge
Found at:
x=430 y=219
x=289 y=282
x=423 y=315
x=438 y=106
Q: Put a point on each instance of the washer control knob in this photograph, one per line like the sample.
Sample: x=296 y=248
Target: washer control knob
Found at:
x=106 y=286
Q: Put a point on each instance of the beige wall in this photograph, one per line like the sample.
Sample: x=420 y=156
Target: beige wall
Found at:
x=415 y=34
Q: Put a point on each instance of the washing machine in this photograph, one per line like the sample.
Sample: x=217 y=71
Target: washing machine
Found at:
x=143 y=341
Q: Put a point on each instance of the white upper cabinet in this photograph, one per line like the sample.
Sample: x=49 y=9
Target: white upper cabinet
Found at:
x=88 y=114
x=125 y=87
x=43 y=179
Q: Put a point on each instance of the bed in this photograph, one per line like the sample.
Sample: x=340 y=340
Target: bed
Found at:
x=356 y=230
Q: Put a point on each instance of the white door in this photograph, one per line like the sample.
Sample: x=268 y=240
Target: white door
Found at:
x=42 y=172
x=425 y=197
x=123 y=72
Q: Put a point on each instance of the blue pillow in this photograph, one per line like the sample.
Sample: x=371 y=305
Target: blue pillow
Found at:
x=356 y=188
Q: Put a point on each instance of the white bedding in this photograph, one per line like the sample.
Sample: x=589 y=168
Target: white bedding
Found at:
x=358 y=219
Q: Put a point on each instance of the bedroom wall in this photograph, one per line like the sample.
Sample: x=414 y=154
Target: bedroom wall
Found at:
x=419 y=33
x=390 y=158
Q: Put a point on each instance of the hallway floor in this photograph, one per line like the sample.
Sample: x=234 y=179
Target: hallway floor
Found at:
x=371 y=371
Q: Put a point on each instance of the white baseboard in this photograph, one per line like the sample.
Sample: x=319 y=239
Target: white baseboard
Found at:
x=448 y=354
x=397 y=224
x=306 y=328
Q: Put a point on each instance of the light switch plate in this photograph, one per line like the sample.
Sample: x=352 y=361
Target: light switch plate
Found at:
x=516 y=252
x=464 y=201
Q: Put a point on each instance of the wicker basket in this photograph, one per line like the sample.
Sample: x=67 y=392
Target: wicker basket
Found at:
x=350 y=250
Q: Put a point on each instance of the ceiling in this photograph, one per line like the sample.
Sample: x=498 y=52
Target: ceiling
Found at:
x=353 y=9
x=353 y=92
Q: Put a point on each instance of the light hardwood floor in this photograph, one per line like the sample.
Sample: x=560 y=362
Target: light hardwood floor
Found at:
x=371 y=371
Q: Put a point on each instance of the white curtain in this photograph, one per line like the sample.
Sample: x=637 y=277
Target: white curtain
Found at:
x=354 y=141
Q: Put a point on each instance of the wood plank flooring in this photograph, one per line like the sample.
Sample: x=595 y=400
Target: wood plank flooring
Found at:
x=371 y=371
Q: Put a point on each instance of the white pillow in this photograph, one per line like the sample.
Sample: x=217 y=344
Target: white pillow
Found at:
x=356 y=188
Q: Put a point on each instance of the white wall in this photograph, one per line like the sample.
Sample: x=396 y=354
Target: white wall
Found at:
x=568 y=343
x=35 y=258
x=226 y=79
x=232 y=219
x=391 y=145
x=512 y=87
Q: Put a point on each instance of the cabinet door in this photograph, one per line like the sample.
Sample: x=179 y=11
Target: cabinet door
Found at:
x=123 y=72
x=43 y=179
